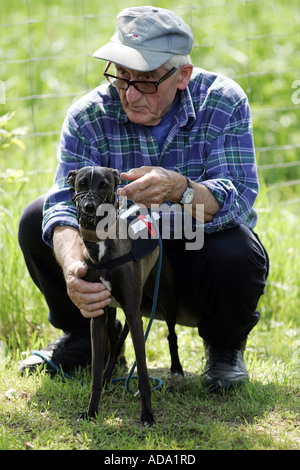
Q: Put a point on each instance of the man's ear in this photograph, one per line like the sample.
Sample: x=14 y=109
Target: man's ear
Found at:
x=71 y=177
x=184 y=76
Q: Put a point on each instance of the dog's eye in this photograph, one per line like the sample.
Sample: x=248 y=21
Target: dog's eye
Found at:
x=82 y=183
x=102 y=184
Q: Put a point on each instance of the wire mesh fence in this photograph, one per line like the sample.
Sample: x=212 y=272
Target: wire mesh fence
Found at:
x=46 y=63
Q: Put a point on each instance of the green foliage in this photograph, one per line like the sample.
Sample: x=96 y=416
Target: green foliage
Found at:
x=10 y=137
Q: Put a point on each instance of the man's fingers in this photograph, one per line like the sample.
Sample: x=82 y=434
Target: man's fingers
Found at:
x=140 y=188
x=80 y=271
x=96 y=309
x=89 y=297
x=84 y=287
x=135 y=173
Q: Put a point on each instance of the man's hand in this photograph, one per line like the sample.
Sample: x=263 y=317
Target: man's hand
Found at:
x=153 y=185
x=89 y=297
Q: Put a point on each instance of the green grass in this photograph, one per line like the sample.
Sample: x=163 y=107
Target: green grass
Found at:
x=255 y=43
x=42 y=412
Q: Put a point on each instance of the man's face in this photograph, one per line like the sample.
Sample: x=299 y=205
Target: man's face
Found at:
x=149 y=109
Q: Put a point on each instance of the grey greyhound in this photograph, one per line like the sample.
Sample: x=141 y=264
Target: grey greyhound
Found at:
x=109 y=260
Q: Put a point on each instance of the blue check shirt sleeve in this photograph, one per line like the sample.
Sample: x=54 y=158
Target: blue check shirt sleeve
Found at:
x=231 y=171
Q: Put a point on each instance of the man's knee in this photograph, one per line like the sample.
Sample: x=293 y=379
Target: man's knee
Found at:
x=237 y=256
x=30 y=224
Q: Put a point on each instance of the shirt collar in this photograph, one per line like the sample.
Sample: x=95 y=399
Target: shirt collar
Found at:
x=186 y=112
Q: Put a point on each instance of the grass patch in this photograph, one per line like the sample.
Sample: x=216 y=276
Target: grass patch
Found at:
x=41 y=413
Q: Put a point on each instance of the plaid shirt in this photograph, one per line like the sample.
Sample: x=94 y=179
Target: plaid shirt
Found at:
x=210 y=141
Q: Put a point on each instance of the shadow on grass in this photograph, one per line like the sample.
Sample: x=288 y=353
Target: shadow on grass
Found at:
x=188 y=416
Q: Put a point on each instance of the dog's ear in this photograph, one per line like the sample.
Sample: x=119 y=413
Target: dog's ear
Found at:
x=71 y=177
x=116 y=175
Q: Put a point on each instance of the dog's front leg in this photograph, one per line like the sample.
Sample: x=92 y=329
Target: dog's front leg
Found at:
x=136 y=328
x=115 y=354
x=98 y=340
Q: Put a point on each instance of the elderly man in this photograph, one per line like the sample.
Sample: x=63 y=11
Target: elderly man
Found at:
x=176 y=133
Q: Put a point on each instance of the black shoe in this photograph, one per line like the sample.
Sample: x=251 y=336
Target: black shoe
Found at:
x=224 y=367
x=67 y=352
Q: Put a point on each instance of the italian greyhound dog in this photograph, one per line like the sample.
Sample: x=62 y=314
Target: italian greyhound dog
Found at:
x=109 y=261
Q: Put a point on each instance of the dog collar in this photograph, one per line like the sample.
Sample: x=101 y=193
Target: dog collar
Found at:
x=139 y=248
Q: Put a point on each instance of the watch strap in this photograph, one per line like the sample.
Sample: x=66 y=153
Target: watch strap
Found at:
x=189 y=186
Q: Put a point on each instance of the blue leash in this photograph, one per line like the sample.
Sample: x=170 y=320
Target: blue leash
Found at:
x=154 y=303
x=54 y=366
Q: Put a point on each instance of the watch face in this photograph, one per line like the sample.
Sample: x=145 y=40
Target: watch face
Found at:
x=189 y=197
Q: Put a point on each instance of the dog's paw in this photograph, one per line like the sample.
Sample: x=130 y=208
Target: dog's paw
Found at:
x=83 y=417
x=177 y=370
x=147 y=419
x=87 y=416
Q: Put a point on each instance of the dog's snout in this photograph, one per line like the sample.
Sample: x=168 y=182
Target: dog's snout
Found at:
x=89 y=207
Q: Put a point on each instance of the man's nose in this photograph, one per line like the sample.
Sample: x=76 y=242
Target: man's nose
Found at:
x=133 y=95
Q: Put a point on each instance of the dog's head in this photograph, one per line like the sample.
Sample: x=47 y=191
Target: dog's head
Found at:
x=93 y=185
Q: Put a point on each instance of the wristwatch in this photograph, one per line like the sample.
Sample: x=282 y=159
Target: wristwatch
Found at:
x=188 y=194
